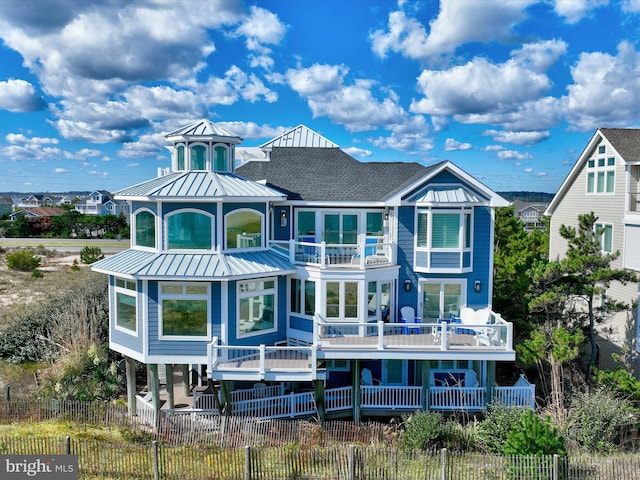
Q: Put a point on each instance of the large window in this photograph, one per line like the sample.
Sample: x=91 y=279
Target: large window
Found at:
x=126 y=310
x=444 y=230
x=342 y=300
x=601 y=174
x=256 y=306
x=220 y=159
x=306 y=225
x=145 y=229
x=244 y=229
x=441 y=299
x=605 y=231
x=340 y=228
x=184 y=310
x=180 y=157
x=303 y=296
x=198 y=157
x=189 y=230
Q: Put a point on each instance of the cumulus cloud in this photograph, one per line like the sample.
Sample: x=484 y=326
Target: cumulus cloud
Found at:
x=451 y=144
x=605 y=89
x=358 y=152
x=513 y=155
x=575 y=10
x=457 y=23
x=20 y=96
x=518 y=138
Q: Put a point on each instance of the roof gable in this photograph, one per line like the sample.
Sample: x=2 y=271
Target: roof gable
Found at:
x=300 y=136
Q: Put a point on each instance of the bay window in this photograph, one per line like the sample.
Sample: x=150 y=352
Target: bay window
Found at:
x=444 y=239
x=189 y=229
x=184 y=310
x=256 y=306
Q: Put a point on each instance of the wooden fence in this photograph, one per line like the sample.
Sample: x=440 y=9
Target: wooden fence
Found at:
x=349 y=462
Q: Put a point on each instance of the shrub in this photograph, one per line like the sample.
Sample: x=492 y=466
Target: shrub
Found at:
x=89 y=255
x=533 y=436
x=620 y=380
x=430 y=430
x=498 y=422
x=598 y=421
x=36 y=273
x=23 y=261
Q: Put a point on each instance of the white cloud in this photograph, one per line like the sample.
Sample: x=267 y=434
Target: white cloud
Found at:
x=358 y=152
x=253 y=130
x=513 y=155
x=576 y=10
x=261 y=26
x=451 y=144
x=528 y=170
x=631 y=6
x=518 y=138
x=20 y=96
x=605 y=89
x=458 y=22
x=60 y=170
x=20 y=139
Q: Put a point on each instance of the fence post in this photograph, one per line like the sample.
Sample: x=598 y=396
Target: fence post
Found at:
x=67 y=445
x=156 y=460
x=555 y=466
x=352 y=462
x=443 y=459
x=247 y=462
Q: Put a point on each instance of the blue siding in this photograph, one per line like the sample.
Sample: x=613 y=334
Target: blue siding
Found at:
x=445 y=260
x=281 y=233
x=258 y=206
x=405 y=257
x=118 y=336
x=147 y=205
x=210 y=208
x=303 y=324
x=482 y=249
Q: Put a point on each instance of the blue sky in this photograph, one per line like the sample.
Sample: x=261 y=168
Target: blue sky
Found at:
x=510 y=91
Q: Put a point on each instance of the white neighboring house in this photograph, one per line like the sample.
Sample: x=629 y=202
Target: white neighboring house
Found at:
x=606 y=180
x=99 y=202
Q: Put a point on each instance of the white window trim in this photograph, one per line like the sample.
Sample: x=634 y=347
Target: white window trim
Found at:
x=131 y=293
x=421 y=282
x=184 y=296
x=134 y=241
x=262 y=230
x=429 y=211
x=175 y=157
x=303 y=297
x=601 y=239
x=213 y=157
x=597 y=169
x=187 y=250
x=207 y=157
x=256 y=293
x=341 y=295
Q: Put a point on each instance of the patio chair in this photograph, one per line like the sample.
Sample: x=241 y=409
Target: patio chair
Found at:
x=467 y=317
x=366 y=378
x=408 y=317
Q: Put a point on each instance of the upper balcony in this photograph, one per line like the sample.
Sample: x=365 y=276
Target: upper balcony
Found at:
x=368 y=254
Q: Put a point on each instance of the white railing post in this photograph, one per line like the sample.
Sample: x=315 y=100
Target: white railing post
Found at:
x=292 y=251
x=444 y=328
x=509 y=335
x=380 y=335
x=314 y=360
x=323 y=254
x=316 y=329
x=262 y=359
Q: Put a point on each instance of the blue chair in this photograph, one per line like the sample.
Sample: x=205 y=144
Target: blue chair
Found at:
x=408 y=317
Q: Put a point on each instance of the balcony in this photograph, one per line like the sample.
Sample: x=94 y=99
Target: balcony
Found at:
x=353 y=340
x=368 y=254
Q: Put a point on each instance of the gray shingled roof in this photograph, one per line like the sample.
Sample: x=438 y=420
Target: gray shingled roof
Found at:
x=329 y=174
x=626 y=141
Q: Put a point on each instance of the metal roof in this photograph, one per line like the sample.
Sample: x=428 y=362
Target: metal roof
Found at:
x=194 y=266
x=300 y=136
x=205 y=129
x=200 y=184
x=446 y=194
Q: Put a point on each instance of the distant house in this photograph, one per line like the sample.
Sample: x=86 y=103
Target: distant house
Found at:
x=99 y=202
x=38 y=212
x=530 y=214
x=6 y=206
x=606 y=180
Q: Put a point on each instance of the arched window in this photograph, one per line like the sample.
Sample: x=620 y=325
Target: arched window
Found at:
x=189 y=230
x=244 y=229
x=145 y=229
x=220 y=159
x=180 y=157
x=198 y=157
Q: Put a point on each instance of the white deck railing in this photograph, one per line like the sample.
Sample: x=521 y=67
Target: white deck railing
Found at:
x=327 y=255
x=457 y=398
x=390 y=397
x=516 y=396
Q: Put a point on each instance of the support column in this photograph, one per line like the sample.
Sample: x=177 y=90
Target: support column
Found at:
x=130 y=372
x=226 y=397
x=168 y=371
x=425 y=378
x=355 y=389
x=318 y=387
x=491 y=379
x=154 y=382
x=186 y=386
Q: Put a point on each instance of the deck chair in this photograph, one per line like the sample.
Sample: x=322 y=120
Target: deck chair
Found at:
x=366 y=378
x=467 y=317
x=408 y=317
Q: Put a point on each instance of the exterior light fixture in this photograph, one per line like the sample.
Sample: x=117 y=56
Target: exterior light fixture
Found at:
x=407 y=285
x=283 y=218
x=477 y=285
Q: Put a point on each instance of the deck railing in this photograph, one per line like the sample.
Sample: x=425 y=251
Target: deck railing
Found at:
x=457 y=398
x=391 y=397
x=516 y=396
x=327 y=255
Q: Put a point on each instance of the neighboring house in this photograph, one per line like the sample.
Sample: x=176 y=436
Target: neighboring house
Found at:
x=35 y=200
x=356 y=288
x=99 y=202
x=6 y=206
x=605 y=180
x=38 y=212
x=530 y=214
